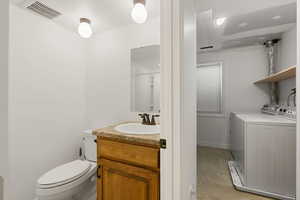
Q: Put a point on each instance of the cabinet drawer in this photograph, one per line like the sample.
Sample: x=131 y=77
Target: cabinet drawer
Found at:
x=129 y=153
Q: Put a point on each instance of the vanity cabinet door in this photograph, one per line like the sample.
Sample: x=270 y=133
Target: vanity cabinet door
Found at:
x=125 y=182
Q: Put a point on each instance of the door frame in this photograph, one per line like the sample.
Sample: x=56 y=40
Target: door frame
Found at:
x=177 y=27
x=168 y=163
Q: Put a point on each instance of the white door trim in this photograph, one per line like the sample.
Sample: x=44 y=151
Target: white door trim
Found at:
x=170 y=92
x=173 y=127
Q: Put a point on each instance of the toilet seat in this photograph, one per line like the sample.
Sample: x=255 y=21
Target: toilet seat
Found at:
x=64 y=174
x=57 y=191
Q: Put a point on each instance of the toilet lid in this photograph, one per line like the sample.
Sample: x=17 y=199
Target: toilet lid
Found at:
x=65 y=173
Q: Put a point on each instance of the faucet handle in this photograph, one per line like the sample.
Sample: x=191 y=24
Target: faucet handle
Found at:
x=147 y=119
x=153 y=122
x=143 y=118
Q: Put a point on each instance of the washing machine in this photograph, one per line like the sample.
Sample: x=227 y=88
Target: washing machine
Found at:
x=264 y=154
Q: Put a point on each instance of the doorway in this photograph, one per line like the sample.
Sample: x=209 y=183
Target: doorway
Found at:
x=253 y=41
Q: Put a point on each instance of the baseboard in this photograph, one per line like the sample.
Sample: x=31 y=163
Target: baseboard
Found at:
x=214 y=145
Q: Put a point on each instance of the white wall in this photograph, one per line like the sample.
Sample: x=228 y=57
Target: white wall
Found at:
x=4 y=38
x=241 y=67
x=47 y=98
x=109 y=71
x=287 y=57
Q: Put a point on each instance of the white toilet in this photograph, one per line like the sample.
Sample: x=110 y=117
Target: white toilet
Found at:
x=72 y=181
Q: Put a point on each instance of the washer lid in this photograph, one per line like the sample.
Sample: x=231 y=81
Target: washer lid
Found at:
x=65 y=173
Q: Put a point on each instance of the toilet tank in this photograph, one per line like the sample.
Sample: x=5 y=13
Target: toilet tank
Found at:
x=89 y=146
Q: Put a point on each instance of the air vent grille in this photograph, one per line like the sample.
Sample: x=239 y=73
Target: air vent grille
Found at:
x=43 y=10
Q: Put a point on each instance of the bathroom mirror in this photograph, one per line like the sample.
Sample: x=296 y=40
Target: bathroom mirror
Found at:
x=145 y=79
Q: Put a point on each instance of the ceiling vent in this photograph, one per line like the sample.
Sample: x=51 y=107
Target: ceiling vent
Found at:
x=43 y=10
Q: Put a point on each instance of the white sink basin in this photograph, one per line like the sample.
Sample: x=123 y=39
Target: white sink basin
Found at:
x=138 y=129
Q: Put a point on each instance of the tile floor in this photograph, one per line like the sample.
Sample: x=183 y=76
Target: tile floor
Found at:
x=214 y=181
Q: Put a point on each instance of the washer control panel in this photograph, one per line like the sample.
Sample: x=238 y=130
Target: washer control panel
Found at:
x=282 y=110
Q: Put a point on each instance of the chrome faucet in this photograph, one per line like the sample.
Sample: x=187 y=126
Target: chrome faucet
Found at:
x=146 y=119
x=153 y=122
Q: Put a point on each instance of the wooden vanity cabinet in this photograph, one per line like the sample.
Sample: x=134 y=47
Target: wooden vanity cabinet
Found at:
x=127 y=171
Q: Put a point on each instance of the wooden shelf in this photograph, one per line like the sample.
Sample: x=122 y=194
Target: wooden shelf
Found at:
x=280 y=76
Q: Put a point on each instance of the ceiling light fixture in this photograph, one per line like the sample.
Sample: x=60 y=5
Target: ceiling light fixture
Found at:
x=84 y=28
x=220 y=21
x=139 y=12
x=276 y=17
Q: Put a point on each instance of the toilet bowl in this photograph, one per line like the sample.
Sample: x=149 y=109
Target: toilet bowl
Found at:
x=75 y=180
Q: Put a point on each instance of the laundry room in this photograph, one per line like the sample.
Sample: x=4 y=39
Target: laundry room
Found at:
x=246 y=99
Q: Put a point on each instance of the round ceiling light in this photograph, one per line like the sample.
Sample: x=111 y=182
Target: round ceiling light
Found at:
x=84 y=28
x=139 y=12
